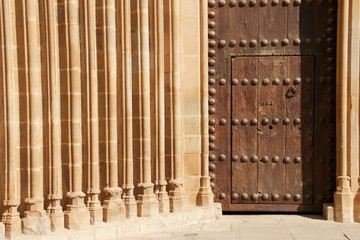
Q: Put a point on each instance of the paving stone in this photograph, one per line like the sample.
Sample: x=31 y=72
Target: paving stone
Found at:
x=261 y=227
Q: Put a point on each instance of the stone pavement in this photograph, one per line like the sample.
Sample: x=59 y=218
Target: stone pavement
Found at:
x=262 y=227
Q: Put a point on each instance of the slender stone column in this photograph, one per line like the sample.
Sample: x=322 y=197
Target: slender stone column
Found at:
x=163 y=196
x=147 y=203
x=127 y=140
x=178 y=199
x=114 y=208
x=55 y=210
x=354 y=117
x=205 y=196
x=35 y=215
x=94 y=205
x=10 y=217
x=343 y=195
x=76 y=214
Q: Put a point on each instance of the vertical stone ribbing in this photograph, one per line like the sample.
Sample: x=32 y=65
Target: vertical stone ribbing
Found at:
x=343 y=195
x=76 y=214
x=178 y=200
x=114 y=208
x=55 y=192
x=35 y=214
x=163 y=196
x=10 y=217
x=147 y=204
x=93 y=202
x=205 y=196
x=127 y=140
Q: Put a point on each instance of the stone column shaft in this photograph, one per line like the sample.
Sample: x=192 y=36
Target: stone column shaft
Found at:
x=114 y=208
x=129 y=199
x=178 y=201
x=163 y=195
x=343 y=195
x=10 y=217
x=36 y=201
x=205 y=196
x=147 y=204
x=55 y=210
x=76 y=215
x=35 y=215
x=93 y=202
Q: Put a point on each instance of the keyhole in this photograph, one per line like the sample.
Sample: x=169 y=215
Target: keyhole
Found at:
x=270 y=127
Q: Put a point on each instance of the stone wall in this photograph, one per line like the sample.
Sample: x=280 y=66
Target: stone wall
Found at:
x=101 y=111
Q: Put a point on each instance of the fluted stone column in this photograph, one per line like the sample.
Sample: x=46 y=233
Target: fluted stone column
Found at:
x=127 y=136
x=178 y=199
x=163 y=196
x=35 y=218
x=205 y=196
x=10 y=217
x=343 y=197
x=55 y=192
x=147 y=203
x=76 y=215
x=93 y=203
x=114 y=208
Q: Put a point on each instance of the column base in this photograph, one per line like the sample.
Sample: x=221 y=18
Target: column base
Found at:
x=2 y=231
x=96 y=212
x=56 y=214
x=36 y=225
x=147 y=205
x=205 y=196
x=76 y=216
x=12 y=222
x=129 y=201
x=164 y=204
x=114 y=208
x=56 y=219
x=357 y=207
x=178 y=199
x=114 y=212
x=35 y=221
x=343 y=201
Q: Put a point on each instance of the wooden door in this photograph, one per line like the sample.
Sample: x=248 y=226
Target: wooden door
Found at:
x=272 y=104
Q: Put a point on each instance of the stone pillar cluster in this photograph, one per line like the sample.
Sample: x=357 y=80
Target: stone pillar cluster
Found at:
x=68 y=70
x=347 y=195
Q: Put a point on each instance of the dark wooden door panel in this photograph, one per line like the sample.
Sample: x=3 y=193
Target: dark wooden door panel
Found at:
x=272 y=137
x=269 y=151
x=244 y=127
x=272 y=130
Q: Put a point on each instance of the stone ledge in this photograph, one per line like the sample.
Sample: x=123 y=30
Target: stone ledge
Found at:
x=136 y=226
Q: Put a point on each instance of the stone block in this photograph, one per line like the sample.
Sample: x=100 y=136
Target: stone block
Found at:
x=343 y=202
x=147 y=208
x=77 y=219
x=329 y=211
x=36 y=225
x=56 y=220
x=114 y=213
x=2 y=231
x=218 y=210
